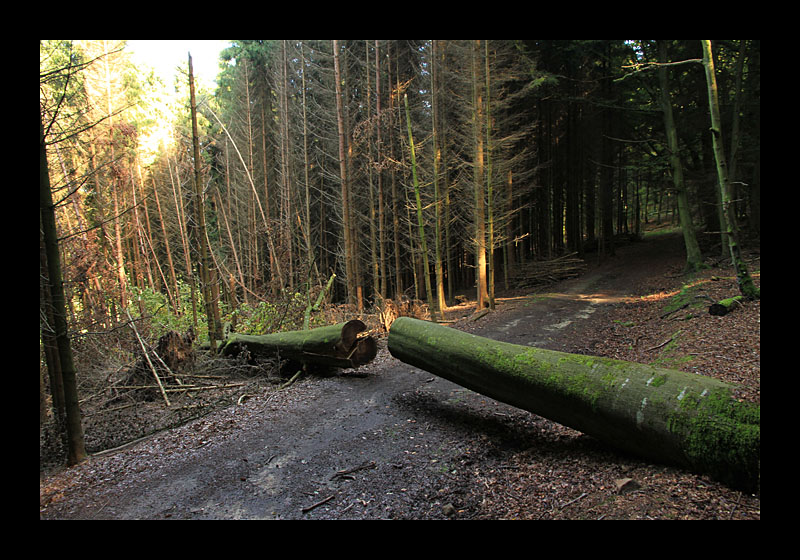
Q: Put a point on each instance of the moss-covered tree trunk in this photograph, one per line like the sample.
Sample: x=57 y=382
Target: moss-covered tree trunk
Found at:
x=420 y=222
x=746 y=286
x=334 y=346
x=725 y=306
x=663 y=415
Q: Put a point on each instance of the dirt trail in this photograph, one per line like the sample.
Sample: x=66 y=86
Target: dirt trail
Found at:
x=399 y=443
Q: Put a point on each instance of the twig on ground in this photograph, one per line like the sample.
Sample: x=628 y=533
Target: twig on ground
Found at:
x=312 y=506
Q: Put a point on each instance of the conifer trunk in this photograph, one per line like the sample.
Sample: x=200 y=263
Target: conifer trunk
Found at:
x=420 y=223
x=659 y=414
x=746 y=285
x=349 y=264
x=207 y=275
x=694 y=259
x=438 y=199
x=479 y=211
x=64 y=366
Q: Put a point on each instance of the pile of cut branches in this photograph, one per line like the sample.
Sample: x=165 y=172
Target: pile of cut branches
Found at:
x=538 y=273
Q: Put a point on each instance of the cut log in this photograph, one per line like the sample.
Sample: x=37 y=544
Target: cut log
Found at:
x=725 y=306
x=334 y=346
x=537 y=273
x=663 y=415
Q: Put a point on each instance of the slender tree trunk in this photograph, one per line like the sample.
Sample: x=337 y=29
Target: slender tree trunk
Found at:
x=489 y=190
x=183 y=228
x=479 y=210
x=274 y=263
x=746 y=285
x=146 y=236
x=445 y=178
x=76 y=450
x=398 y=270
x=286 y=221
x=607 y=169
x=383 y=290
x=306 y=228
x=420 y=222
x=509 y=247
x=371 y=170
x=437 y=156
x=694 y=259
x=234 y=251
x=346 y=226
x=204 y=264
x=168 y=249
x=738 y=96
x=115 y=187
x=264 y=212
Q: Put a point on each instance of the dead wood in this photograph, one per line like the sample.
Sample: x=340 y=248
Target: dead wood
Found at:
x=725 y=306
x=342 y=345
x=537 y=273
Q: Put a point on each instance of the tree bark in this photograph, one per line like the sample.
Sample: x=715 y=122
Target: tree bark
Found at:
x=349 y=265
x=725 y=306
x=432 y=301
x=694 y=258
x=335 y=345
x=660 y=414
x=76 y=449
x=207 y=274
x=479 y=211
x=746 y=285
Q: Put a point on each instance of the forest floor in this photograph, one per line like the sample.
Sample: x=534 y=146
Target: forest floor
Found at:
x=390 y=441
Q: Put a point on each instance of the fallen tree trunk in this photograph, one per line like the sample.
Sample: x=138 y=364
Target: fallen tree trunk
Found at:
x=725 y=306
x=335 y=345
x=663 y=415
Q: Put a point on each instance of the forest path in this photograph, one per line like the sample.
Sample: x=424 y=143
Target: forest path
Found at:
x=398 y=443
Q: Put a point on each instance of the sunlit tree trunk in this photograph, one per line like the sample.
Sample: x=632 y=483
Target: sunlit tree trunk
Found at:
x=183 y=228
x=119 y=256
x=207 y=274
x=444 y=152
x=746 y=285
x=479 y=211
x=233 y=245
x=420 y=222
x=176 y=299
x=489 y=190
x=438 y=199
